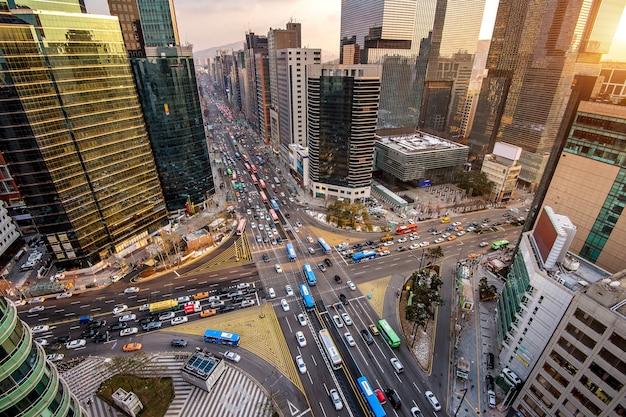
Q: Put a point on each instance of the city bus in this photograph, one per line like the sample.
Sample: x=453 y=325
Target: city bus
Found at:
x=241 y=227
x=229 y=172
x=253 y=169
x=263 y=196
x=276 y=181
x=307 y=298
x=262 y=184
x=330 y=349
x=388 y=334
x=254 y=179
x=309 y=275
x=273 y=215
x=221 y=338
x=407 y=228
x=499 y=244
x=374 y=406
x=247 y=167
x=274 y=204
x=323 y=245
x=291 y=252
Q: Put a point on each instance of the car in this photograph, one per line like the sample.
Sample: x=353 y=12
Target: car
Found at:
x=397 y=365
x=184 y=299
x=247 y=303
x=178 y=343
x=259 y=239
x=511 y=376
x=278 y=268
x=42 y=341
x=424 y=244
x=389 y=243
x=284 y=304
x=282 y=194
x=393 y=398
x=483 y=244
x=118 y=326
x=271 y=293
x=287 y=215
x=490 y=360
x=201 y=296
x=36 y=309
x=97 y=324
x=322 y=267
x=456 y=224
x=328 y=262
x=433 y=400
x=129 y=331
x=337 y=321
x=413 y=237
x=414 y=246
x=486 y=220
x=380 y=396
x=309 y=239
x=179 y=320
x=311 y=250
x=336 y=399
x=261 y=226
x=451 y=238
x=217 y=304
x=144 y=307
x=64 y=295
x=132 y=347
x=300 y=338
x=167 y=316
x=439 y=240
x=351 y=285
x=40 y=329
x=131 y=290
x=373 y=330
x=101 y=337
x=298 y=224
x=253 y=225
x=489 y=382
x=266 y=258
x=55 y=357
x=367 y=338
x=36 y=300
x=231 y=356
x=208 y=313
x=120 y=308
x=300 y=364
x=461 y=233
x=75 y=344
x=62 y=339
x=346 y=319
x=248 y=212
x=127 y=317
x=343 y=299
x=89 y=333
x=349 y=339
x=337 y=279
x=416 y=412
x=302 y=319
x=402 y=240
x=288 y=290
x=491 y=399
x=292 y=200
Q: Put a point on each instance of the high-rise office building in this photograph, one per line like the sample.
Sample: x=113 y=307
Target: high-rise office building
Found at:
x=536 y=50
x=342 y=114
x=73 y=134
x=30 y=386
x=257 y=84
x=166 y=81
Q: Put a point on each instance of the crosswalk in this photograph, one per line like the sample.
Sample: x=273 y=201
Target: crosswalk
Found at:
x=234 y=395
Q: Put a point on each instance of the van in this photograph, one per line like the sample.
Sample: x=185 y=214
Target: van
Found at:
x=511 y=376
x=397 y=365
x=445 y=220
x=491 y=397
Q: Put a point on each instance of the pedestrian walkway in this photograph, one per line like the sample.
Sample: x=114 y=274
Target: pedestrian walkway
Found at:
x=239 y=253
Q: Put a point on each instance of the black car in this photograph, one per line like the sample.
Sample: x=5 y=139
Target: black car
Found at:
x=179 y=343
x=367 y=337
x=97 y=324
x=337 y=279
x=489 y=382
x=490 y=360
x=62 y=339
x=328 y=262
x=226 y=309
x=53 y=347
x=369 y=242
x=145 y=320
x=393 y=398
x=266 y=258
x=343 y=299
x=118 y=326
x=88 y=334
x=287 y=215
x=102 y=337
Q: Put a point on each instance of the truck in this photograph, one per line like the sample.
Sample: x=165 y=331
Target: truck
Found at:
x=386 y=238
x=366 y=254
x=163 y=306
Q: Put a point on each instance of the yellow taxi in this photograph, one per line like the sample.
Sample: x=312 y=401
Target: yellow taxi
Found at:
x=208 y=313
x=131 y=347
x=201 y=295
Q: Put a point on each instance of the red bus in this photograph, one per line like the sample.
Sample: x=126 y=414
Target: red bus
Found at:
x=408 y=228
x=234 y=176
x=263 y=197
x=241 y=227
x=263 y=186
x=274 y=216
x=247 y=167
x=253 y=168
x=254 y=179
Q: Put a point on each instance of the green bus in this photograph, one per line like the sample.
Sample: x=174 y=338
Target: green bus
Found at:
x=499 y=244
x=388 y=334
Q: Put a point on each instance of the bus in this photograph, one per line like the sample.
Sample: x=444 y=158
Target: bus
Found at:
x=234 y=176
x=276 y=181
x=263 y=196
x=330 y=349
x=262 y=183
x=229 y=172
x=254 y=179
x=273 y=215
x=291 y=253
x=164 y=306
x=407 y=228
x=309 y=275
x=221 y=338
x=388 y=334
x=245 y=158
x=274 y=204
x=247 y=167
x=499 y=244
x=366 y=254
x=307 y=297
x=237 y=155
x=253 y=169
x=241 y=227
x=374 y=406
x=323 y=245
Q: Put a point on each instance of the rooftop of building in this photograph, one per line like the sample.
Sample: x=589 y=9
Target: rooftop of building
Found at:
x=418 y=142
x=201 y=364
x=610 y=292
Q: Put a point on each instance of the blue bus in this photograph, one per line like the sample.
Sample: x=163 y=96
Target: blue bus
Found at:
x=310 y=276
x=291 y=253
x=307 y=297
x=274 y=204
x=369 y=396
x=323 y=245
x=221 y=338
x=366 y=254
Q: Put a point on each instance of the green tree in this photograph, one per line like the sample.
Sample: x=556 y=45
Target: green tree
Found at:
x=426 y=287
x=433 y=254
x=474 y=181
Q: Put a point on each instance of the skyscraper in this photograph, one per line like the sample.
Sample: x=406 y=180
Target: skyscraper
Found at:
x=166 y=81
x=342 y=113
x=536 y=50
x=72 y=132
x=257 y=84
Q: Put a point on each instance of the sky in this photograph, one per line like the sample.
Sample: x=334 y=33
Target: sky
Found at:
x=211 y=23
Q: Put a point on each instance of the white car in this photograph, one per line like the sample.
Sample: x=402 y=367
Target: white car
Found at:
x=424 y=244
x=261 y=226
x=337 y=321
x=411 y=238
x=284 y=304
x=120 y=308
x=271 y=293
x=483 y=244
x=461 y=233
x=184 y=299
x=414 y=246
x=311 y=250
x=40 y=329
x=300 y=364
x=36 y=300
x=336 y=399
x=127 y=317
x=278 y=268
x=439 y=240
x=282 y=194
x=402 y=240
x=248 y=212
x=36 y=309
x=179 y=320
x=455 y=224
x=129 y=331
x=292 y=200
x=144 y=307
x=289 y=290
x=75 y=344
x=302 y=319
x=349 y=339
x=301 y=339
x=253 y=225
x=167 y=316
x=55 y=357
x=309 y=239
x=131 y=290
x=416 y=412
x=231 y=356
x=346 y=319
x=64 y=295
x=351 y=285
x=433 y=400
x=42 y=341
x=389 y=243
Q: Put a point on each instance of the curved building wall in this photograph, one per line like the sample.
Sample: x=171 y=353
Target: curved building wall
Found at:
x=29 y=384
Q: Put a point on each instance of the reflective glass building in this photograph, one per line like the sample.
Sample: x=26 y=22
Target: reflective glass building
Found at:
x=72 y=131
x=29 y=385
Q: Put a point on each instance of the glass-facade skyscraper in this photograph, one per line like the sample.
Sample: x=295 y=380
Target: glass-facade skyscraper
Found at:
x=72 y=132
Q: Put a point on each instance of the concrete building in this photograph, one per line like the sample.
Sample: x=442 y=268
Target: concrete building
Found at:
x=613 y=81
x=542 y=281
x=8 y=230
x=589 y=184
x=502 y=168
x=299 y=164
x=582 y=370
x=342 y=113
x=203 y=370
x=127 y=402
x=419 y=157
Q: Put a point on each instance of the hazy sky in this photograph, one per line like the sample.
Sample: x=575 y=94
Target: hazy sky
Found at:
x=210 y=23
